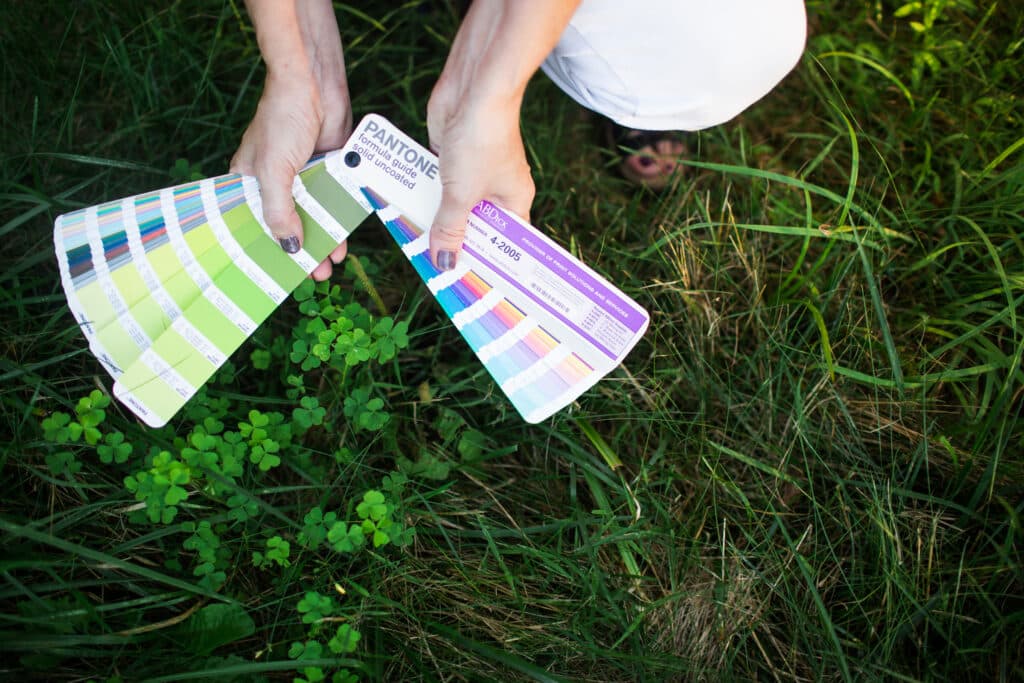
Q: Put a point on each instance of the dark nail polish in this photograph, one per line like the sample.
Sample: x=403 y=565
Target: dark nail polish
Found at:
x=290 y=244
x=445 y=259
x=646 y=162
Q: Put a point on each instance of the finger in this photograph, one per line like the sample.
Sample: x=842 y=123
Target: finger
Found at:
x=339 y=253
x=448 y=230
x=322 y=271
x=241 y=162
x=279 y=207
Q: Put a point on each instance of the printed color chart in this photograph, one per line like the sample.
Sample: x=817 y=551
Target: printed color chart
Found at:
x=545 y=326
x=166 y=285
x=537 y=372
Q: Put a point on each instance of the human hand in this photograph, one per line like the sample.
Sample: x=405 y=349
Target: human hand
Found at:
x=481 y=156
x=304 y=109
x=290 y=125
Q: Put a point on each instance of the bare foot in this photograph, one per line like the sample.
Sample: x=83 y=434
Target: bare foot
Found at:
x=649 y=158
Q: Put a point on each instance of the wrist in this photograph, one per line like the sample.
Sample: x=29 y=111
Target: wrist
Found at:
x=460 y=87
x=500 y=111
x=294 y=89
x=294 y=72
x=278 y=35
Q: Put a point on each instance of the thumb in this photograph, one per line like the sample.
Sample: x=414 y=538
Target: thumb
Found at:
x=279 y=207
x=449 y=229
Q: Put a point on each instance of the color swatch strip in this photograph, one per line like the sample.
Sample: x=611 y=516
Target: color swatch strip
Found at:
x=167 y=284
x=537 y=371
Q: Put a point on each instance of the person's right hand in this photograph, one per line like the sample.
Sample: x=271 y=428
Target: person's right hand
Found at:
x=293 y=120
x=473 y=112
x=481 y=156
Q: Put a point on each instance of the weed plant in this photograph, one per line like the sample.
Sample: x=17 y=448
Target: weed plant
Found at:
x=809 y=469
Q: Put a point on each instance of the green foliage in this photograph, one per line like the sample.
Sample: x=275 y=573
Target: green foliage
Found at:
x=315 y=526
x=309 y=413
x=114 y=449
x=241 y=507
x=206 y=544
x=310 y=649
x=161 y=486
x=214 y=626
x=314 y=607
x=345 y=641
x=183 y=171
x=265 y=434
x=390 y=338
x=296 y=387
x=346 y=538
x=62 y=463
x=379 y=522
x=90 y=412
x=341 y=335
x=277 y=553
x=260 y=359
x=365 y=413
x=429 y=465
x=469 y=443
x=57 y=428
x=472 y=445
x=807 y=469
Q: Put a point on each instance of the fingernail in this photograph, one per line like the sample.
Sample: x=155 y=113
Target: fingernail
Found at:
x=290 y=244
x=445 y=259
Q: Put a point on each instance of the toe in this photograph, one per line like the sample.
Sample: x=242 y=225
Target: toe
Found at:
x=643 y=163
x=669 y=147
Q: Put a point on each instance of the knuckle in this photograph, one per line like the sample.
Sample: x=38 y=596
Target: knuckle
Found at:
x=449 y=231
x=276 y=174
x=276 y=216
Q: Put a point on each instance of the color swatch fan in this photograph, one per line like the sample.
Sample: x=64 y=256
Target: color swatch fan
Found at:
x=545 y=326
x=166 y=285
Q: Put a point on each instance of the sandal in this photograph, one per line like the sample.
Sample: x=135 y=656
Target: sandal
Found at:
x=654 y=168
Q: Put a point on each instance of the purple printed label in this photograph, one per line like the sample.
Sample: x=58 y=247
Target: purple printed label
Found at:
x=560 y=262
x=554 y=280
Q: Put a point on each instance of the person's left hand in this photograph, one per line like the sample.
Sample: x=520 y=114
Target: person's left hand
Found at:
x=481 y=156
x=291 y=123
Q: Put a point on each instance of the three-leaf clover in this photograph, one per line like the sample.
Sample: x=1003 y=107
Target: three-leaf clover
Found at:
x=345 y=640
x=277 y=553
x=315 y=607
x=315 y=527
x=390 y=338
x=309 y=413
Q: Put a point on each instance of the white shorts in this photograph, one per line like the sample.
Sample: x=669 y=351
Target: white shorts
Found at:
x=676 y=64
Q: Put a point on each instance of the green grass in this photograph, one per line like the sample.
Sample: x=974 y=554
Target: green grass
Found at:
x=820 y=434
